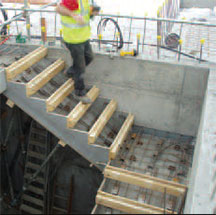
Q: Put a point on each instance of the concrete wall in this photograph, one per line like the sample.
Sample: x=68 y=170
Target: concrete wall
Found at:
x=2 y=81
x=198 y=3
x=162 y=96
x=201 y=198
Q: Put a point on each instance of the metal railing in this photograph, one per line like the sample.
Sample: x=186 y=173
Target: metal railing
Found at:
x=155 y=38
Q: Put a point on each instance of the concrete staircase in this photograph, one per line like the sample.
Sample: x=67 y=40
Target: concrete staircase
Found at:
x=22 y=94
x=84 y=142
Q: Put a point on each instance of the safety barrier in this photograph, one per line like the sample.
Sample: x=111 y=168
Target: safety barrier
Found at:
x=163 y=37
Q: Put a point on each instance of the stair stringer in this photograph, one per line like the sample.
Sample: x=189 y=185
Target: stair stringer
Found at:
x=56 y=124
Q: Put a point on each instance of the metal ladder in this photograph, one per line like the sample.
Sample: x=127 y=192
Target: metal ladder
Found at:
x=33 y=200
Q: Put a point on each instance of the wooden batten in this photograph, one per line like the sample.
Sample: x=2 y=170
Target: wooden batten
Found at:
x=26 y=62
x=78 y=112
x=101 y=122
x=44 y=77
x=58 y=97
x=25 y=57
x=62 y=143
x=10 y=103
x=145 y=181
x=127 y=205
x=119 y=140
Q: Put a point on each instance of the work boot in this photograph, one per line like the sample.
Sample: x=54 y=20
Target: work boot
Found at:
x=81 y=96
x=69 y=73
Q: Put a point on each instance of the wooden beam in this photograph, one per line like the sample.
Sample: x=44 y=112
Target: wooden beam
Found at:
x=78 y=112
x=10 y=103
x=127 y=205
x=101 y=122
x=44 y=77
x=62 y=143
x=119 y=140
x=145 y=181
x=43 y=29
x=24 y=63
x=58 y=97
x=25 y=58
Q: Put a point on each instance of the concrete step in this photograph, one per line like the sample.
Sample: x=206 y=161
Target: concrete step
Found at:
x=26 y=62
x=127 y=205
x=58 y=97
x=119 y=140
x=101 y=122
x=79 y=111
x=145 y=181
x=56 y=124
x=44 y=77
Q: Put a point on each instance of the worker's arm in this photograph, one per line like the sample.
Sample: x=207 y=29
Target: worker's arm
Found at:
x=63 y=11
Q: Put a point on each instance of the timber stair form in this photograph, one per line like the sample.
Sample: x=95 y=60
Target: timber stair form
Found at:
x=122 y=135
x=141 y=180
x=26 y=62
x=101 y=122
x=54 y=100
x=144 y=181
x=86 y=140
x=32 y=86
x=44 y=77
x=79 y=111
x=127 y=205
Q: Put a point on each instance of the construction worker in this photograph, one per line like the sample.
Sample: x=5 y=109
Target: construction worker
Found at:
x=75 y=18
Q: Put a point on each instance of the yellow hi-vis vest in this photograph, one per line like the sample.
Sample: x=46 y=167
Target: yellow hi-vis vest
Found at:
x=73 y=32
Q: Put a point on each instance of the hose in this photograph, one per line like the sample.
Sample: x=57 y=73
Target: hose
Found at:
x=4 y=28
x=102 y=24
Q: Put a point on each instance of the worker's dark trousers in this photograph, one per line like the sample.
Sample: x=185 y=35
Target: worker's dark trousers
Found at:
x=82 y=56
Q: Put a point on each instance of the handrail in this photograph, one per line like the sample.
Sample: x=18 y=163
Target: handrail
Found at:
x=103 y=15
x=18 y=16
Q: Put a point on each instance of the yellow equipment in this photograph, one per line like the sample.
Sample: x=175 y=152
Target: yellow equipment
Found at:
x=132 y=53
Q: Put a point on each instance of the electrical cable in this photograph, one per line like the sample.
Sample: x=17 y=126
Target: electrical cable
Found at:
x=102 y=25
x=4 y=28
